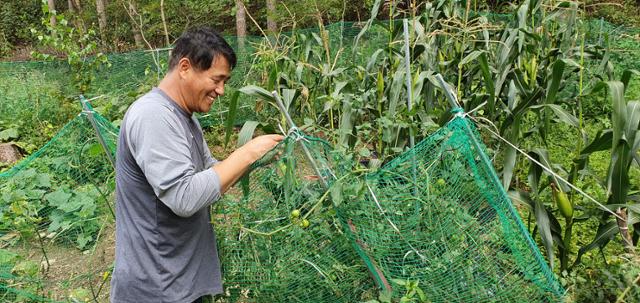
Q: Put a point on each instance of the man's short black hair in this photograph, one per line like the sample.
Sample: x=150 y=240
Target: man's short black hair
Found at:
x=201 y=46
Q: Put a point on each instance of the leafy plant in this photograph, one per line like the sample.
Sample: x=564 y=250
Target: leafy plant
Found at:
x=79 y=48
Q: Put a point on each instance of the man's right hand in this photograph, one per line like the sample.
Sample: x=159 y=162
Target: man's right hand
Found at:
x=231 y=169
x=259 y=146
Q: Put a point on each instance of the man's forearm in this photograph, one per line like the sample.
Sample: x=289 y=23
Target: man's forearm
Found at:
x=232 y=169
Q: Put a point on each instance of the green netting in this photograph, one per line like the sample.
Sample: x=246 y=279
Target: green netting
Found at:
x=54 y=208
x=435 y=215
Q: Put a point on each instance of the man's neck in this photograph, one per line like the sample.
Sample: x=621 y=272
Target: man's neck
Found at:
x=171 y=86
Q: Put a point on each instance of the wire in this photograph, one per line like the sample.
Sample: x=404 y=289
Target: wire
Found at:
x=549 y=170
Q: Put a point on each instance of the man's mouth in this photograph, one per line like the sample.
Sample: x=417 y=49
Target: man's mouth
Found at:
x=211 y=97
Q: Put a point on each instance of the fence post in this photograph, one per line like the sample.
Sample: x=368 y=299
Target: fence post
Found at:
x=87 y=109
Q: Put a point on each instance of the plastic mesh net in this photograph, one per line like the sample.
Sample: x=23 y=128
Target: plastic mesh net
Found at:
x=54 y=205
x=435 y=215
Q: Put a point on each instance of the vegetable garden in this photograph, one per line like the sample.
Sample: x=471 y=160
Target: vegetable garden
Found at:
x=387 y=190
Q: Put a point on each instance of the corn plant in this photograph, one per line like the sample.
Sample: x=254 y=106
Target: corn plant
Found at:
x=521 y=77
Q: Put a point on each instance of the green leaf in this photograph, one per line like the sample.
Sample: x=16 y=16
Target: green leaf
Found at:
x=488 y=82
x=43 y=180
x=246 y=133
x=618 y=177
x=626 y=77
x=58 y=198
x=556 y=77
x=619 y=115
x=544 y=228
x=602 y=141
x=470 y=57
x=561 y=114
x=11 y=133
x=372 y=60
x=510 y=153
x=632 y=121
x=231 y=117
x=535 y=171
x=257 y=91
x=605 y=233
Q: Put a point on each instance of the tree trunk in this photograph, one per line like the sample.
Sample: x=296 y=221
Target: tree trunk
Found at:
x=102 y=18
x=72 y=8
x=52 y=8
x=241 y=24
x=137 y=37
x=164 y=24
x=271 y=13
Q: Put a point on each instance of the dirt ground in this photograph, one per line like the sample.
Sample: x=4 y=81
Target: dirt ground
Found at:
x=70 y=272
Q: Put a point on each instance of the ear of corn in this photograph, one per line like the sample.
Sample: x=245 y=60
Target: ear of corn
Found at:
x=564 y=205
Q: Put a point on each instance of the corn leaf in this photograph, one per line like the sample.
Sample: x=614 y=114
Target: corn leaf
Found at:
x=231 y=117
x=246 y=133
x=605 y=233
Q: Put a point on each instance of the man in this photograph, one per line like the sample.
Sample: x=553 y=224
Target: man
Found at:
x=166 y=179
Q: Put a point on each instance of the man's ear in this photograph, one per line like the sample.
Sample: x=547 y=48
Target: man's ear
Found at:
x=184 y=67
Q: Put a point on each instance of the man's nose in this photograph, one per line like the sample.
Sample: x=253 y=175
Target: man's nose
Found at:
x=220 y=90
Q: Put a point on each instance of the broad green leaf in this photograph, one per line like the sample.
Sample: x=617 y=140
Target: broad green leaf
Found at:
x=373 y=59
x=544 y=228
x=602 y=141
x=554 y=85
x=543 y=158
x=7 y=134
x=395 y=90
x=257 y=91
x=535 y=171
x=632 y=121
x=561 y=114
x=618 y=180
x=471 y=57
x=336 y=194
x=231 y=117
x=246 y=133
x=521 y=197
x=488 y=82
x=43 y=180
x=619 y=115
x=288 y=96
x=58 y=198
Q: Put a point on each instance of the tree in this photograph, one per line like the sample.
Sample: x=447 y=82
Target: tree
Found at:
x=102 y=18
x=271 y=13
x=164 y=24
x=241 y=24
x=133 y=11
x=52 y=8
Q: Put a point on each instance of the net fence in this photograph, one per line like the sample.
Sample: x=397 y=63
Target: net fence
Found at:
x=54 y=206
x=436 y=216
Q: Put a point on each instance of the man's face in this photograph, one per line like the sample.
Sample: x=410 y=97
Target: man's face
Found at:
x=203 y=87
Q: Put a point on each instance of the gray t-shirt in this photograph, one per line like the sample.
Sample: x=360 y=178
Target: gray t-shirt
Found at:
x=165 y=244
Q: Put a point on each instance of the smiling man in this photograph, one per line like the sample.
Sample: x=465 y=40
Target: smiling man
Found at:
x=166 y=179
